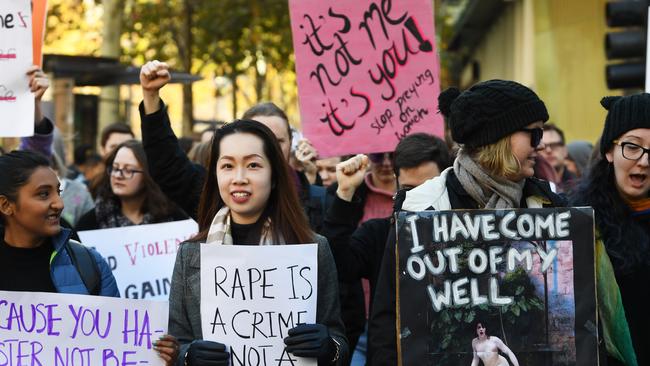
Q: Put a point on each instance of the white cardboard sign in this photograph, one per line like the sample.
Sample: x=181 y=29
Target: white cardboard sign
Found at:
x=252 y=295
x=16 y=101
x=142 y=257
x=53 y=329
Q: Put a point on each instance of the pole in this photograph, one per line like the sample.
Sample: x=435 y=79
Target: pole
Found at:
x=647 y=50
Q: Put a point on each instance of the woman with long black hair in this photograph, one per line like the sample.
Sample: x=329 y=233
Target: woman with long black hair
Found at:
x=249 y=199
x=617 y=187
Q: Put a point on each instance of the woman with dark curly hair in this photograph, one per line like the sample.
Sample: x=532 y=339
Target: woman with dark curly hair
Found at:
x=127 y=194
x=617 y=188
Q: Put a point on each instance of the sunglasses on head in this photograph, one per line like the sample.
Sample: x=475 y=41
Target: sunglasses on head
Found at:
x=536 y=135
x=379 y=157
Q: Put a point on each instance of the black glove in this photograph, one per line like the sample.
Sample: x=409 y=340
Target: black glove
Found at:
x=207 y=353
x=311 y=340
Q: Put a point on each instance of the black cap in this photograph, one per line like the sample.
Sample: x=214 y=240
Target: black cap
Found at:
x=625 y=114
x=490 y=111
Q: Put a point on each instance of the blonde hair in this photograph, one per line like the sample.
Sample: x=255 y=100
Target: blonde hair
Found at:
x=497 y=159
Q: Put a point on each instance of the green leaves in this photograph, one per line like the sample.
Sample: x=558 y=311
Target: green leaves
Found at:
x=230 y=35
x=519 y=290
x=469 y=318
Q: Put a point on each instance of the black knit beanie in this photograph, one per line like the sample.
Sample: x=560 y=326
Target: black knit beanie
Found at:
x=489 y=111
x=625 y=114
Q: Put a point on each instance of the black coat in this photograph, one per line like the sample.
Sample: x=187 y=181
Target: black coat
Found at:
x=357 y=252
x=382 y=330
x=625 y=236
x=341 y=221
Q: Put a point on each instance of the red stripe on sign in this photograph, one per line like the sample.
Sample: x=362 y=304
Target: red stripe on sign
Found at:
x=7 y=99
x=8 y=55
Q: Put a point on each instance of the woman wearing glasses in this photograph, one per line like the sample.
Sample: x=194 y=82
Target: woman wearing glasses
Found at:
x=498 y=125
x=617 y=188
x=127 y=194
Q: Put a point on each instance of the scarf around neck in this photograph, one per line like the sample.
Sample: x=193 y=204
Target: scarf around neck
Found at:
x=488 y=191
x=109 y=215
x=639 y=207
x=220 y=233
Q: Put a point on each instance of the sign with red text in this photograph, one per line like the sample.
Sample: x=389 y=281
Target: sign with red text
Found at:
x=16 y=101
x=501 y=287
x=252 y=295
x=142 y=256
x=65 y=330
x=367 y=73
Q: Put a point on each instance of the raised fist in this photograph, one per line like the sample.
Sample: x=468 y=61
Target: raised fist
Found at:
x=350 y=175
x=154 y=75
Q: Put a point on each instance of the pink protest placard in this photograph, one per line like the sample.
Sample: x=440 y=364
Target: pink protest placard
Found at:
x=367 y=72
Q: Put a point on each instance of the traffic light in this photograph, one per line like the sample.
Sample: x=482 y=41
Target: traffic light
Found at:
x=628 y=45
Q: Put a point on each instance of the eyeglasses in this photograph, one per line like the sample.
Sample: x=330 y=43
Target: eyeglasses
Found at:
x=535 y=135
x=126 y=173
x=632 y=151
x=378 y=158
x=554 y=145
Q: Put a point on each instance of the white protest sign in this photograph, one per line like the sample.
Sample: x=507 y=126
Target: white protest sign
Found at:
x=16 y=101
x=252 y=295
x=64 y=330
x=142 y=256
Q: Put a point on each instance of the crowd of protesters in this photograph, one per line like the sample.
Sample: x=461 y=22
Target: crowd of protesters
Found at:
x=246 y=183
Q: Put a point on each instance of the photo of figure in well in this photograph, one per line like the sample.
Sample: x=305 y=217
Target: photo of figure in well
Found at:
x=486 y=349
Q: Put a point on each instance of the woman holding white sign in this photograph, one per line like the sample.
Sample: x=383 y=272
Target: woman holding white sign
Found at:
x=498 y=125
x=249 y=199
x=617 y=187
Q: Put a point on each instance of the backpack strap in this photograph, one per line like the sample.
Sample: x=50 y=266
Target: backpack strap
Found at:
x=85 y=264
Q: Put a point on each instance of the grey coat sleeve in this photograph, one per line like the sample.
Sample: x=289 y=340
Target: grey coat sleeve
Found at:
x=328 y=310
x=179 y=324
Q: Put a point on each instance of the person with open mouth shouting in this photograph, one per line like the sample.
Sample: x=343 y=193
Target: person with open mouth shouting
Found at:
x=617 y=188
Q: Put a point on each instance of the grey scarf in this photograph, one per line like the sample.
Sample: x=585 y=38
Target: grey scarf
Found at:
x=490 y=192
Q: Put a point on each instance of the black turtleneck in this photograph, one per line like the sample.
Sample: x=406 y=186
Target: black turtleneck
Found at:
x=26 y=269
x=248 y=234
